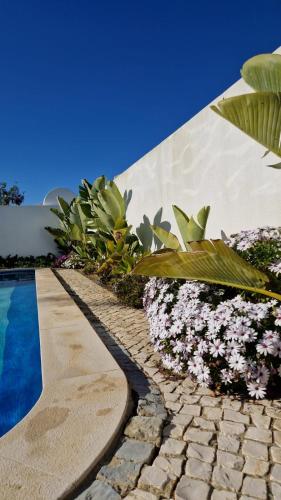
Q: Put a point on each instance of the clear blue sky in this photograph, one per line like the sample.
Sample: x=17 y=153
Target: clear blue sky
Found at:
x=87 y=87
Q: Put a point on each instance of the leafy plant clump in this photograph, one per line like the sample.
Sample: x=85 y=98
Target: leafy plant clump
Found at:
x=14 y=261
x=220 y=338
x=94 y=227
x=129 y=289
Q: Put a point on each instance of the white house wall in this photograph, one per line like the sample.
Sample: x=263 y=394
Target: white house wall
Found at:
x=22 y=230
x=205 y=162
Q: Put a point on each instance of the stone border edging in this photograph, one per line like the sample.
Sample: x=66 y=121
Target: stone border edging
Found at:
x=80 y=411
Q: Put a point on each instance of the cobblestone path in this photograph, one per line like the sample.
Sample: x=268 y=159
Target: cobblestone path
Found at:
x=181 y=442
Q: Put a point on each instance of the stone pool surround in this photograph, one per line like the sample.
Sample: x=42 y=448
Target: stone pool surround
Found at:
x=82 y=407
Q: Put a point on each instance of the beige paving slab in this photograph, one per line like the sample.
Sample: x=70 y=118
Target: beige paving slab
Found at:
x=81 y=409
x=16 y=481
x=70 y=351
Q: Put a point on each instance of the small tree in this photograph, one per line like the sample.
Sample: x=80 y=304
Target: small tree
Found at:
x=11 y=196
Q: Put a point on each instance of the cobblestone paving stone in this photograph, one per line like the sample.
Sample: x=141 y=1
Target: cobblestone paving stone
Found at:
x=182 y=442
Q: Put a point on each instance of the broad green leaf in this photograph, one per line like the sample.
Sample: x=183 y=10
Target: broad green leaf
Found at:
x=258 y=115
x=263 y=72
x=118 y=196
x=64 y=206
x=202 y=218
x=110 y=203
x=83 y=218
x=99 y=183
x=182 y=222
x=58 y=233
x=58 y=213
x=105 y=219
x=209 y=261
x=168 y=239
x=75 y=233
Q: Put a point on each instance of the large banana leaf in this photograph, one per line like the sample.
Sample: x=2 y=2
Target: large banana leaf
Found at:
x=258 y=115
x=168 y=239
x=209 y=261
x=263 y=72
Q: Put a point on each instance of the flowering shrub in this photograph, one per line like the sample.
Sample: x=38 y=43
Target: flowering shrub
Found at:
x=71 y=261
x=219 y=337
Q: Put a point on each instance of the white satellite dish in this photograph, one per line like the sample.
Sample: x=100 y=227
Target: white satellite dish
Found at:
x=51 y=197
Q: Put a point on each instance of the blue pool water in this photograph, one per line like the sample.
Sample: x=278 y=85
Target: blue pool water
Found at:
x=20 y=362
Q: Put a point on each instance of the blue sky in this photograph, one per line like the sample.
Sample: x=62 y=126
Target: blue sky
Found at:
x=87 y=87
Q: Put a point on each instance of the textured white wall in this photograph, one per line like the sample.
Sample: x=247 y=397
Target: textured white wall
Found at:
x=22 y=230
x=205 y=162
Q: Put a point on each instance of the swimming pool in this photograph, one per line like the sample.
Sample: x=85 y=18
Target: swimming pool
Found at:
x=20 y=362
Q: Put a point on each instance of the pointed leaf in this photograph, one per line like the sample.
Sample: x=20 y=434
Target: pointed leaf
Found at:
x=263 y=72
x=276 y=165
x=182 y=222
x=194 y=232
x=202 y=218
x=168 y=239
x=64 y=206
x=99 y=183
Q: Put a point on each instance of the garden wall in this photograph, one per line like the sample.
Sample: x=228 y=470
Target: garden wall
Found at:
x=205 y=162
x=22 y=230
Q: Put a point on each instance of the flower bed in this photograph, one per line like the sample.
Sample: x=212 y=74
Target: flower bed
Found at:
x=218 y=336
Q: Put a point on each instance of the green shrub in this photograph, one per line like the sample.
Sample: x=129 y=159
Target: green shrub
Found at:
x=129 y=289
x=90 y=268
x=14 y=261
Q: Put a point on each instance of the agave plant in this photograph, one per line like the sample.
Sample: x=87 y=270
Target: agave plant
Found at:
x=190 y=229
x=208 y=261
x=258 y=114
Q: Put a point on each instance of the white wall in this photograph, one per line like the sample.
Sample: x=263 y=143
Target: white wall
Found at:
x=22 y=230
x=205 y=162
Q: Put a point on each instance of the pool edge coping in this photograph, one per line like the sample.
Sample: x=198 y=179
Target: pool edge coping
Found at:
x=67 y=378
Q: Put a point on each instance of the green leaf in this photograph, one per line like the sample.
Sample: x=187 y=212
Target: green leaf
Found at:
x=64 y=206
x=58 y=233
x=276 y=165
x=202 y=218
x=118 y=196
x=209 y=261
x=263 y=72
x=75 y=233
x=105 y=219
x=99 y=183
x=110 y=204
x=182 y=222
x=168 y=239
x=258 y=115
